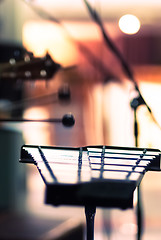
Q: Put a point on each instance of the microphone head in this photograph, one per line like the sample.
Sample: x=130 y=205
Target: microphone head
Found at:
x=68 y=120
x=64 y=93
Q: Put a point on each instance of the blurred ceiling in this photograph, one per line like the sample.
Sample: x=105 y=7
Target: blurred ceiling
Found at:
x=148 y=11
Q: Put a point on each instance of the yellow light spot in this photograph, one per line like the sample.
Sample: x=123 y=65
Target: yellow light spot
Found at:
x=41 y=37
x=129 y=24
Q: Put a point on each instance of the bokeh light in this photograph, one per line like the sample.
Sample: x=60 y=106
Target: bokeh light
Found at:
x=129 y=24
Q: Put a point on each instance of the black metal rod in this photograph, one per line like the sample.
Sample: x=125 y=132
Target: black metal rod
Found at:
x=139 y=214
x=67 y=120
x=135 y=129
x=30 y=120
x=139 y=207
x=90 y=215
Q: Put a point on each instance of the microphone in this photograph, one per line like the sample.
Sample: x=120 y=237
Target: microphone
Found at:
x=67 y=120
x=139 y=101
x=64 y=93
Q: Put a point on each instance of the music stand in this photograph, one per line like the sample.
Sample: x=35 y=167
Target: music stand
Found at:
x=91 y=176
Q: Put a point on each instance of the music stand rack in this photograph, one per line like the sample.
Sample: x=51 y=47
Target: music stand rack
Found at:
x=91 y=176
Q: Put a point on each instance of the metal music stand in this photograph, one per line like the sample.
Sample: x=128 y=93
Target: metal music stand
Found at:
x=91 y=176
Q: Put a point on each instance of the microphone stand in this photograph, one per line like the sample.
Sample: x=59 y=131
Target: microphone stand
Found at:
x=135 y=103
x=67 y=120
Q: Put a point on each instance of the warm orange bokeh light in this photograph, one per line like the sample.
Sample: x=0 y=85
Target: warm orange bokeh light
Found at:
x=40 y=37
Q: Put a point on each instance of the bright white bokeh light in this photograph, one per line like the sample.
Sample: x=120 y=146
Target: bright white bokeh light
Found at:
x=129 y=24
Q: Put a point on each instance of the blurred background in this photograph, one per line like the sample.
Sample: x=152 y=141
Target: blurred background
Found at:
x=63 y=32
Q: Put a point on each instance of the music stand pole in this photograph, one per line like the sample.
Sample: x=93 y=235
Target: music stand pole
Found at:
x=90 y=215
